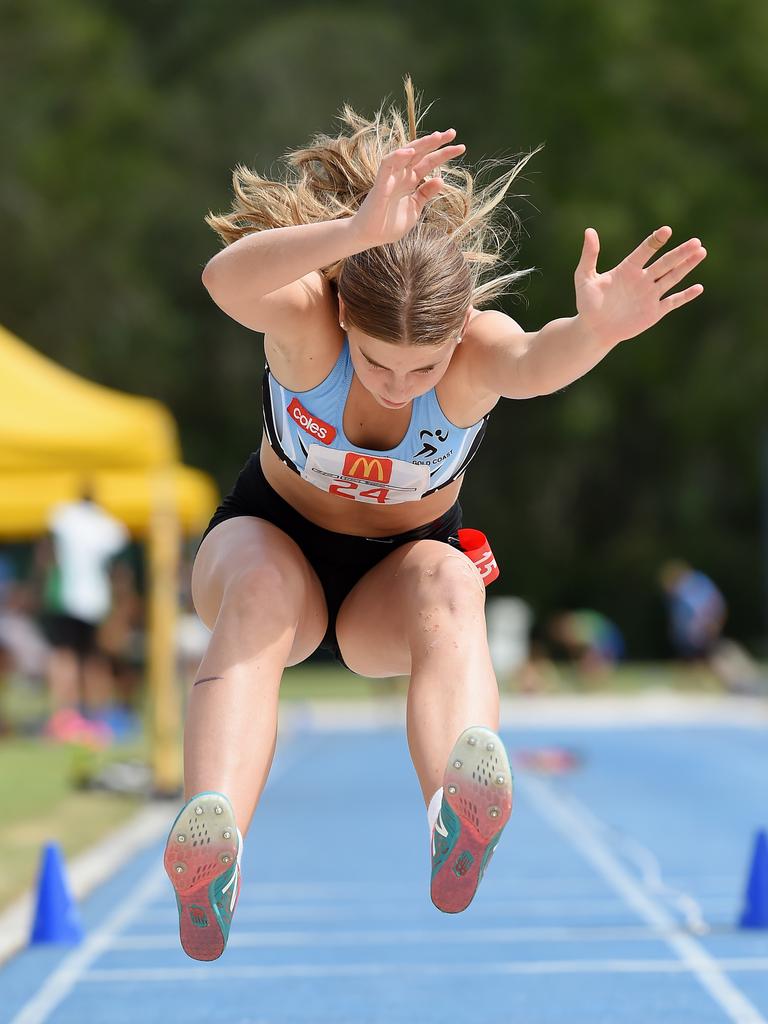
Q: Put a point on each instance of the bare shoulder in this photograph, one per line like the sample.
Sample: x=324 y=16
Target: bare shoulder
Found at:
x=491 y=338
x=490 y=328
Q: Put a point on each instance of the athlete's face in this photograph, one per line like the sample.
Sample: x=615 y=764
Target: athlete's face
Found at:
x=396 y=374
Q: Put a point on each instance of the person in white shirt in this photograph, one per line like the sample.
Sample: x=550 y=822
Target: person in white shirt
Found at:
x=85 y=538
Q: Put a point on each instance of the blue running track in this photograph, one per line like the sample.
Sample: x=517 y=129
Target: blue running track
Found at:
x=612 y=898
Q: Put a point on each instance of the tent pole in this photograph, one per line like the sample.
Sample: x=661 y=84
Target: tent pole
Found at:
x=164 y=696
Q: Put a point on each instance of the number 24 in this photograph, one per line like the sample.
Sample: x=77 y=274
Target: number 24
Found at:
x=343 y=487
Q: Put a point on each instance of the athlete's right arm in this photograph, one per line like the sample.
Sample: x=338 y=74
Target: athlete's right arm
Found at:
x=270 y=281
x=267 y=279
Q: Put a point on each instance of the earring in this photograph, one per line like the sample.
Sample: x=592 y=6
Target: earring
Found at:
x=342 y=325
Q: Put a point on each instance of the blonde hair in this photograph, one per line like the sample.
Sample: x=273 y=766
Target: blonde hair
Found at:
x=416 y=290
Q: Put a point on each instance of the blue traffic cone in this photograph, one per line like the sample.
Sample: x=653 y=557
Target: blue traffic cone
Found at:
x=755 y=913
x=56 y=917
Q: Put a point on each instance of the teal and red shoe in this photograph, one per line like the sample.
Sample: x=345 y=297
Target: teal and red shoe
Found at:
x=202 y=860
x=476 y=805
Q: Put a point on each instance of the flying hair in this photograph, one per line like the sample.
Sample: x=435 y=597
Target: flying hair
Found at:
x=415 y=290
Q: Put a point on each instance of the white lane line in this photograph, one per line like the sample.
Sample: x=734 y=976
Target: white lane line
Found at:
x=572 y=821
x=586 y=886
x=254 y=973
x=58 y=984
x=88 y=870
x=522 y=908
x=74 y=967
x=519 y=910
x=411 y=937
x=521 y=890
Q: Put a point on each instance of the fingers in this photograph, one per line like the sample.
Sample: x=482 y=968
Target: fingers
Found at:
x=429 y=142
x=589 y=253
x=419 y=148
x=680 y=298
x=677 y=272
x=640 y=256
x=429 y=163
x=692 y=249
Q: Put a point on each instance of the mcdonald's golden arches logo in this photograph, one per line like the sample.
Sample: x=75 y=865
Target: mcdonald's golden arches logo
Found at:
x=367 y=467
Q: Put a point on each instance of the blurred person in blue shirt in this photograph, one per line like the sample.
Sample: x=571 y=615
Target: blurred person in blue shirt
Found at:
x=697 y=610
x=589 y=638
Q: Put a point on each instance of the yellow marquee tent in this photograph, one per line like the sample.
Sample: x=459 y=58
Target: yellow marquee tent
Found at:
x=51 y=418
x=27 y=498
x=58 y=431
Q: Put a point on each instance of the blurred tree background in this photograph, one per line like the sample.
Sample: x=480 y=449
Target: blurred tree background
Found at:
x=121 y=123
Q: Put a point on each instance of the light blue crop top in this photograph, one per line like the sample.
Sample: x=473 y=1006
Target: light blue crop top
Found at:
x=295 y=420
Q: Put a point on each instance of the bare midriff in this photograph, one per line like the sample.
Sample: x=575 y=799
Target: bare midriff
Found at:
x=343 y=515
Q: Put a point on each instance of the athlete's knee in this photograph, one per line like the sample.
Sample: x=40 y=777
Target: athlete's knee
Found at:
x=446 y=581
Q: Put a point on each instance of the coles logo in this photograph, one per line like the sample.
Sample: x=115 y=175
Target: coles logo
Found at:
x=317 y=428
x=369 y=467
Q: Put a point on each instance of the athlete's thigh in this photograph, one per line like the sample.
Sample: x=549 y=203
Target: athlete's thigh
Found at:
x=248 y=548
x=372 y=624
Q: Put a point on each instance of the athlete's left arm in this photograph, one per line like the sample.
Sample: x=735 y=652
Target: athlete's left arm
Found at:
x=612 y=307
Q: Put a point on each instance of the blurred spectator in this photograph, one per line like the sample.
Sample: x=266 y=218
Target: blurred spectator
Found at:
x=26 y=650
x=77 y=598
x=696 y=609
x=697 y=613
x=589 y=639
x=120 y=637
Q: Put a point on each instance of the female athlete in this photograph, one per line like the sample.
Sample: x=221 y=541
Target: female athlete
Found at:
x=365 y=270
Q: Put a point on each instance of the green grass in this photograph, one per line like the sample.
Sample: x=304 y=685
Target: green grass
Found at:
x=334 y=682
x=40 y=804
x=627 y=679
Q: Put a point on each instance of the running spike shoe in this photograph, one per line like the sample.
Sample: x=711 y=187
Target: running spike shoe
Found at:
x=476 y=805
x=202 y=860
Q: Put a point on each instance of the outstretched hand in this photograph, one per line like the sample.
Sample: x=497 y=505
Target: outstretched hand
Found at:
x=629 y=299
x=402 y=188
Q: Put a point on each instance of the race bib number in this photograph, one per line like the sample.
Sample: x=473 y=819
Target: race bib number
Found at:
x=359 y=477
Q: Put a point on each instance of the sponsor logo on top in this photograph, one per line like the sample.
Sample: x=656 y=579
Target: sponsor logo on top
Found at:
x=369 y=467
x=317 y=428
x=428 y=449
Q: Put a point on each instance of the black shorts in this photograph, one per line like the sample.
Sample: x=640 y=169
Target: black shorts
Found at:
x=339 y=559
x=66 y=631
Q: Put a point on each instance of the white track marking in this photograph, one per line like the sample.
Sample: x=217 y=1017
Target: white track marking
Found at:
x=562 y=910
x=58 y=985
x=135 y=975
x=658 y=707
x=74 y=967
x=573 y=824
x=303 y=892
x=416 y=913
x=411 y=937
x=88 y=870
